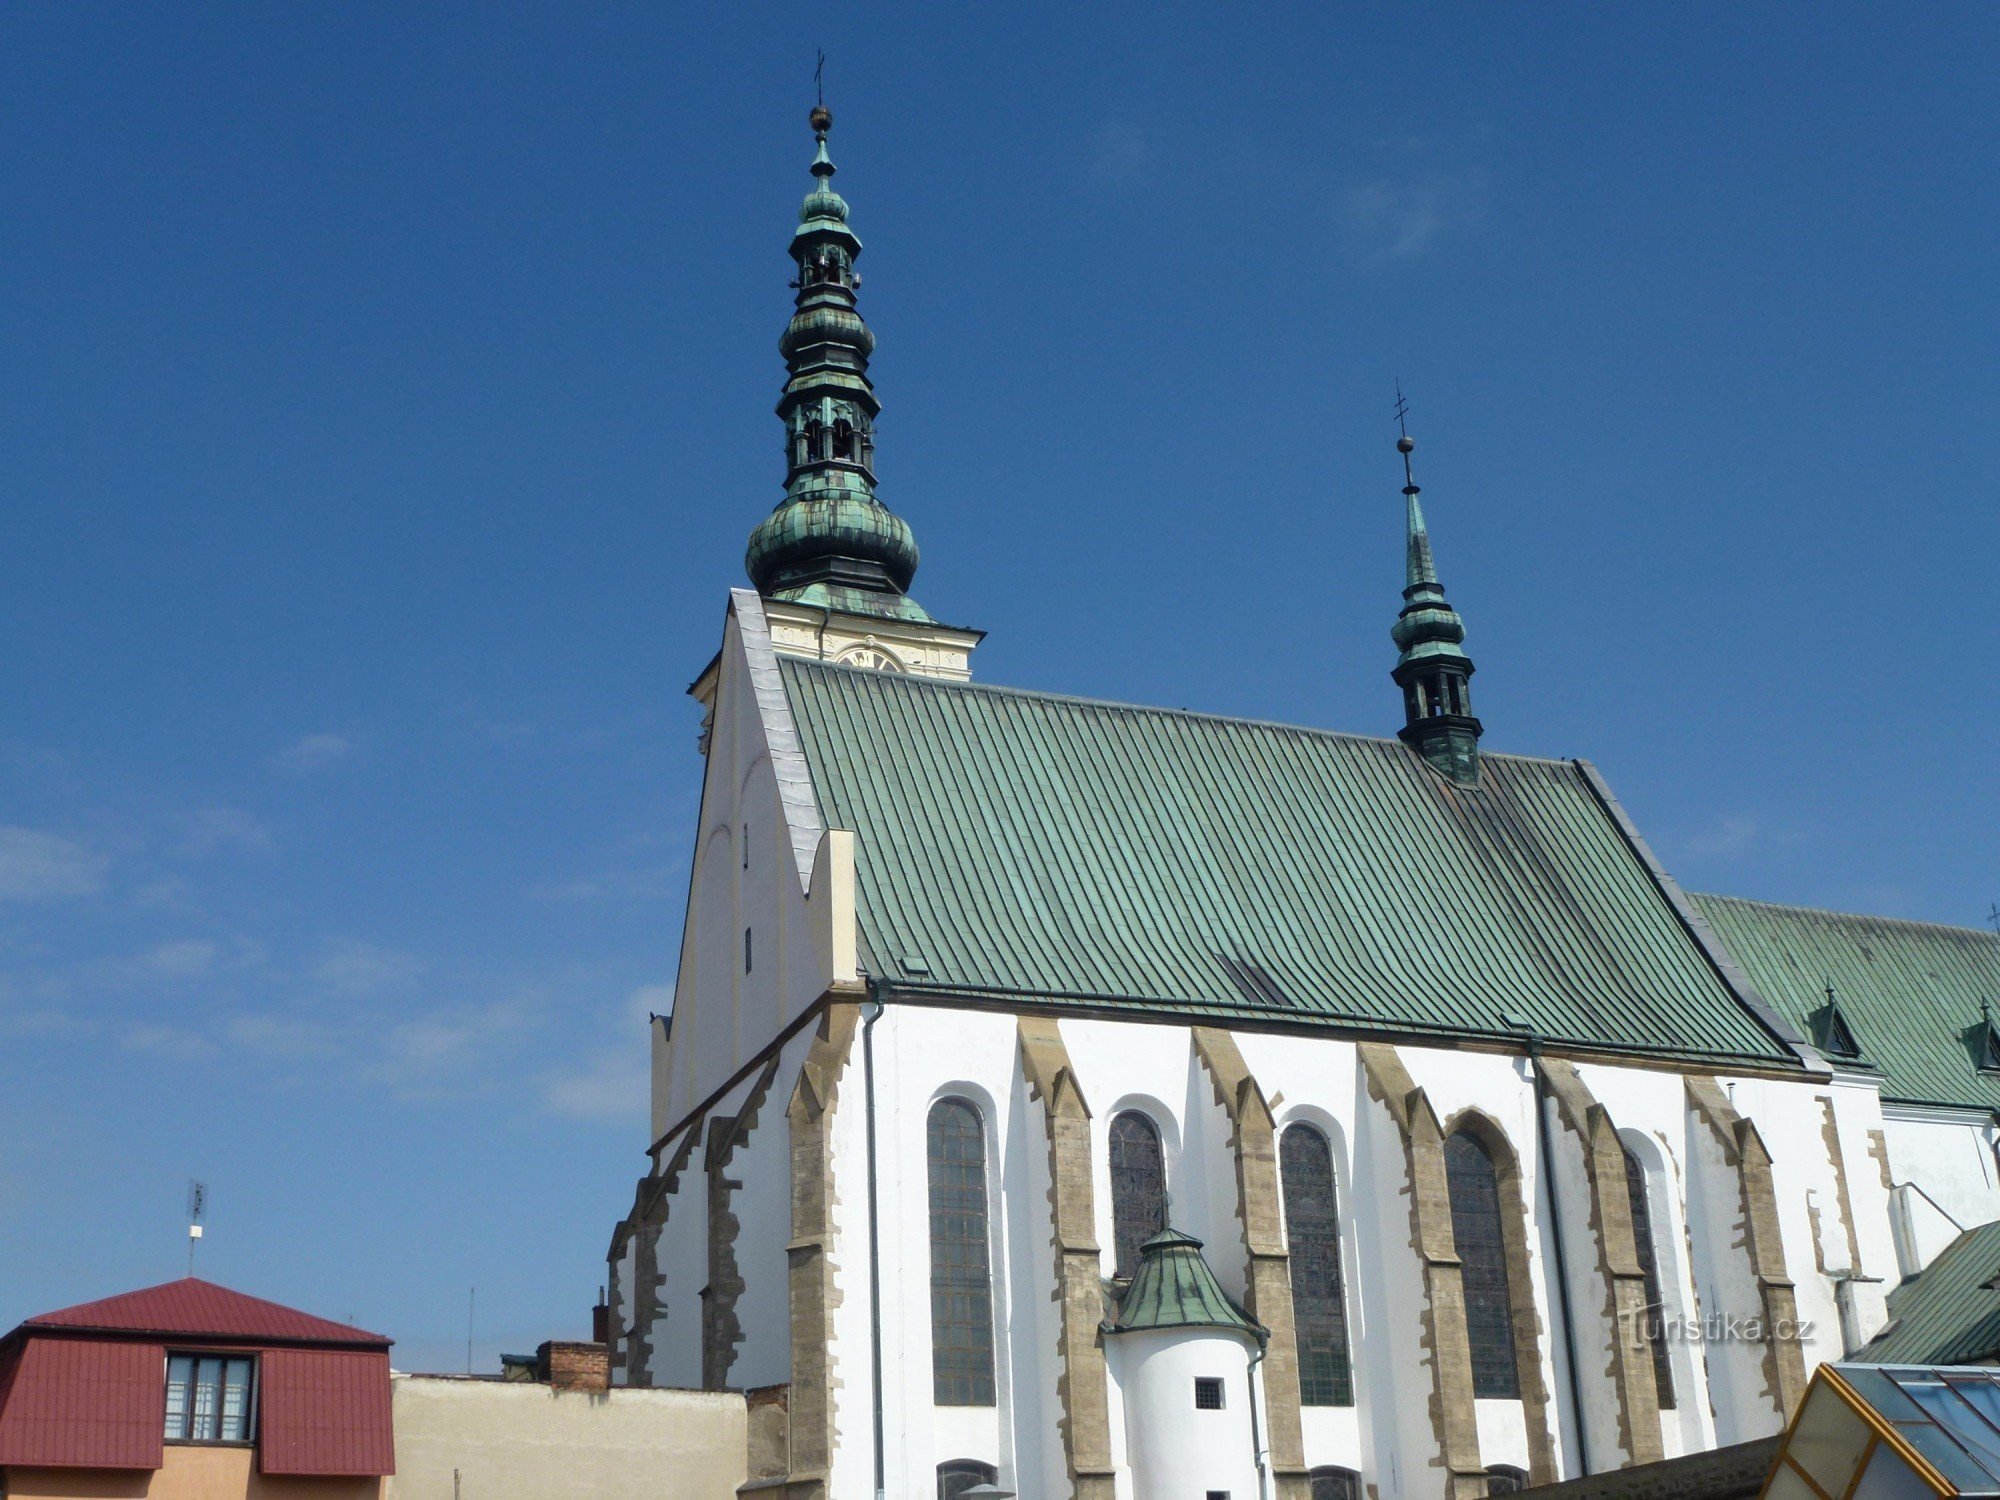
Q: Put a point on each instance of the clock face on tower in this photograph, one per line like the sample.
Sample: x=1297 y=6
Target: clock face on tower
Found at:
x=871 y=656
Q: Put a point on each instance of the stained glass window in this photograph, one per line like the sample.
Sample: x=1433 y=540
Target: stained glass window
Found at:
x=1642 y=1234
x=1330 y=1483
x=961 y=1276
x=1138 y=1187
x=1312 y=1230
x=1482 y=1254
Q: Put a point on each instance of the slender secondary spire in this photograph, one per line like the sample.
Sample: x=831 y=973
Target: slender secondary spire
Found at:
x=1431 y=668
x=830 y=542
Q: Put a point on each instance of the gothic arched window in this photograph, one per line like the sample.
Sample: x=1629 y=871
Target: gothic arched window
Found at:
x=961 y=1474
x=1331 y=1483
x=1138 y=1188
x=1505 y=1479
x=961 y=1277
x=1642 y=1235
x=1312 y=1230
x=1482 y=1254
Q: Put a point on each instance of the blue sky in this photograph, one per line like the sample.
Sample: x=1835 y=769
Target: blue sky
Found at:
x=386 y=397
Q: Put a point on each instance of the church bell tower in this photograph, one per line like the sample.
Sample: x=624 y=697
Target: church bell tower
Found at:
x=1432 y=668
x=832 y=562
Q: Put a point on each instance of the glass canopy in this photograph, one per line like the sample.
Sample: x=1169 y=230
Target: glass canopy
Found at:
x=1892 y=1432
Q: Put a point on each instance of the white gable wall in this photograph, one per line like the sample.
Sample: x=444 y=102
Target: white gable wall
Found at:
x=759 y=837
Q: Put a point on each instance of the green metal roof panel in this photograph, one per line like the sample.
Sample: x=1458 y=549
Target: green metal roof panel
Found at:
x=1013 y=843
x=1909 y=991
x=1949 y=1313
x=1174 y=1288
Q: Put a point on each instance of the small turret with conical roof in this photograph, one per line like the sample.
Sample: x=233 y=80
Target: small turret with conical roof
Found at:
x=830 y=543
x=1432 y=668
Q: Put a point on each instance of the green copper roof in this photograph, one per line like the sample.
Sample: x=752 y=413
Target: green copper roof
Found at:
x=1909 y=991
x=1948 y=1314
x=1174 y=1288
x=1015 y=843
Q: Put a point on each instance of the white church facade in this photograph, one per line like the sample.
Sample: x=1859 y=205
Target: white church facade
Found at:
x=1079 y=1099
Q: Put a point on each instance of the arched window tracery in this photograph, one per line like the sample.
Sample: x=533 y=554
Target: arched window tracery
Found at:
x=1655 y=1329
x=1482 y=1251
x=1312 y=1234
x=1138 y=1188
x=1330 y=1482
x=958 y=1475
x=961 y=1272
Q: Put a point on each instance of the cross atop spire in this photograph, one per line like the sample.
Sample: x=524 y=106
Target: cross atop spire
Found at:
x=1433 y=671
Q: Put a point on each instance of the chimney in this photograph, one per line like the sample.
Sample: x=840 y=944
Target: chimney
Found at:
x=566 y=1366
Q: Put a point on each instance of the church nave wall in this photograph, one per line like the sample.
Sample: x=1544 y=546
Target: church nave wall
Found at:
x=1761 y=1200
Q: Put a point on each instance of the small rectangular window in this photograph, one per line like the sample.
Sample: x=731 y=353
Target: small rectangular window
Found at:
x=746 y=846
x=1207 y=1393
x=746 y=950
x=1218 y=1495
x=210 y=1399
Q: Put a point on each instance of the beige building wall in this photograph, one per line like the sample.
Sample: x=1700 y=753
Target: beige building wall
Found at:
x=188 y=1471
x=520 y=1441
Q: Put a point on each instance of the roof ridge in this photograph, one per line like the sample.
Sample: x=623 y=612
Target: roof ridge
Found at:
x=1119 y=705
x=1852 y=916
x=76 y=1315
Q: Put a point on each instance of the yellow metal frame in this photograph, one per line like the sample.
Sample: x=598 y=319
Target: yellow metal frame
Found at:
x=1882 y=1432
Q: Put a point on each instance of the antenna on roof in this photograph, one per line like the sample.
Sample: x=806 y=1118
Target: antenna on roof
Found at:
x=197 y=1210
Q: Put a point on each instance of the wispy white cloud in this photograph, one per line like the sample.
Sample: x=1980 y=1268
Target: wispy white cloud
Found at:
x=643 y=884
x=357 y=969
x=1393 y=219
x=38 y=1022
x=283 y=1038
x=38 y=866
x=178 y=1042
x=1731 y=836
x=314 y=752
x=614 y=1084
x=447 y=1053
x=184 y=958
x=213 y=830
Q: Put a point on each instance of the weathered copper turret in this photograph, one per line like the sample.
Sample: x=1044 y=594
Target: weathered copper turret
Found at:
x=1433 y=670
x=830 y=542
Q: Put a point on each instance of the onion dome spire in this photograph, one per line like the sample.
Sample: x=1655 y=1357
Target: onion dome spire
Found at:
x=1431 y=668
x=830 y=542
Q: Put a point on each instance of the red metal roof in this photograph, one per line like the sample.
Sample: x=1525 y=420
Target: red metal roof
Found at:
x=90 y=1403
x=192 y=1308
x=326 y=1411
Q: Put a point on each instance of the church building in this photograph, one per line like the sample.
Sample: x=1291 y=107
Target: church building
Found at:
x=1066 y=1098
